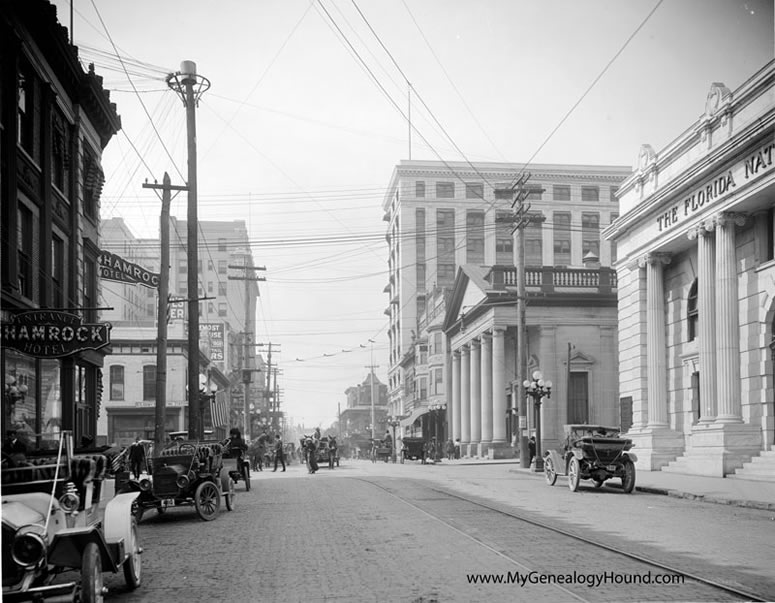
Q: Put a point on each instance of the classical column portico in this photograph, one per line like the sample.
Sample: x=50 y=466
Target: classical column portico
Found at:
x=706 y=310
x=656 y=351
x=465 y=395
x=455 y=405
x=486 y=378
x=476 y=395
x=499 y=386
x=727 y=320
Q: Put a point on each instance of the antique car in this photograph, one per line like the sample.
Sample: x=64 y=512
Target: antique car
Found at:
x=328 y=452
x=54 y=525
x=185 y=473
x=413 y=449
x=594 y=452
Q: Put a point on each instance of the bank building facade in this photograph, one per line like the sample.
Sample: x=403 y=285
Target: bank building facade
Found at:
x=696 y=276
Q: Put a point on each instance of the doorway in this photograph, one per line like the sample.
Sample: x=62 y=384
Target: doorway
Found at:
x=578 y=398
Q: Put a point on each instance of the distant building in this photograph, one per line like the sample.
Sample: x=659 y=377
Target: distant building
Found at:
x=452 y=287
x=55 y=122
x=697 y=290
x=226 y=342
x=355 y=420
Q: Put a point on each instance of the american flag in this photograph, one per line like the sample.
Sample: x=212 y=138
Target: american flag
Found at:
x=219 y=410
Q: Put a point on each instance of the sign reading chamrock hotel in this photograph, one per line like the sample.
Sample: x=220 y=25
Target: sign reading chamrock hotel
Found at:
x=115 y=268
x=52 y=334
x=696 y=273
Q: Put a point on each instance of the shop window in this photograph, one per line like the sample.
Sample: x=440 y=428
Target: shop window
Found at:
x=692 y=313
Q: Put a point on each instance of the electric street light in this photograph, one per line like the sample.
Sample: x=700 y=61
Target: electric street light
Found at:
x=538 y=389
x=394 y=422
x=436 y=410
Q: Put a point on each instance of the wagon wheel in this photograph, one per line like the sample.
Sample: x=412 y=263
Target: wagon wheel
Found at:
x=246 y=477
x=628 y=479
x=207 y=500
x=133 y=564
x=227 y=485
x=549 y=472
x=574 y=474
x=91 y=574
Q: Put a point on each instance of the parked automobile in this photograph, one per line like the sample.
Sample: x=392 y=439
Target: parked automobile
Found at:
x=413 y=449
x=185 y=473
x=594 y=452
x=53 y=523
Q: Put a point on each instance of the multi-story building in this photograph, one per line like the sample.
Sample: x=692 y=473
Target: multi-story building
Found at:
x=55 y=122
x=228 y=358
x=355 y=421
x=449 y=221
x=697 y=290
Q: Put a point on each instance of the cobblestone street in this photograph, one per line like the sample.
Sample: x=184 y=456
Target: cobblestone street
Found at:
x=341 y=535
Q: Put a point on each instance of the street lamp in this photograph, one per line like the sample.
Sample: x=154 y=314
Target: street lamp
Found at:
x=394 y=422
x=538 y=389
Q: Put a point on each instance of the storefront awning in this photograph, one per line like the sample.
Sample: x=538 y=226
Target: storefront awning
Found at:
x=416 y=414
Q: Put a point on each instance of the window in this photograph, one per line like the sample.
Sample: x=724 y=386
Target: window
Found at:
x=562 y=238
x=475 y=190
x=221 y=289
x=28 y=111
x=221 y=244
x=504 y=240
x=590 y=234
x=590 y=193
x=93 y=179
x=534 y=245
x=503 y=194
x=421 y=274
x=210 y=286
x=182 y=267
x=475 y=237
x=210 y=308
x=222 y=309
x=535 y=194
x=419 y=189
x=222 y=267
x=446 y=274
x=420 y=234
x=149 y=382
x=211 y=266
x=116 y=382
x=60 y=152
x=423 y=388
x=612 y=194
x=437 y=344
x=692 y=313
x=613 y=243
x=561 y=192
x=24 y=250
x=58 y=272
x=445 y=237
x=445 y=190
x=90 y=287
x=438 y=381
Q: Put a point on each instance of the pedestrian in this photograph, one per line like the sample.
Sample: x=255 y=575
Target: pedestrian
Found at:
x=388 y=441
x=136 y=458
x=450 y=449
x=457 y=448
x=312 y=455
x=531 y=446
x=279 y=453
x=14 y=449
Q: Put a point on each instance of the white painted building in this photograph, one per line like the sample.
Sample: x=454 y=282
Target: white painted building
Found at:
x=696 y=271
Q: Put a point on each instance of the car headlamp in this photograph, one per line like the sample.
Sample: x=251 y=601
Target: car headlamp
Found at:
x=69 y=502
x=182 y=482
x=145 y=484
x=29 y=546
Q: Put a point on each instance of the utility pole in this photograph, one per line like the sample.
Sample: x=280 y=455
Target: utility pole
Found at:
x=372 y=366
x=268 y=392
x=163 y=293
x=190 y=88
x=246 y=374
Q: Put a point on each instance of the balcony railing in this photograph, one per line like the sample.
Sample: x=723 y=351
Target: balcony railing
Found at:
x=552 y=279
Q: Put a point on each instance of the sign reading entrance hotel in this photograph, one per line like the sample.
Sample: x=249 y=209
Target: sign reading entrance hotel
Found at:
x=52 y=334
x=116 y=268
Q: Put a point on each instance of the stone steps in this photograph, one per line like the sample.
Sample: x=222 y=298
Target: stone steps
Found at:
x=759 y=468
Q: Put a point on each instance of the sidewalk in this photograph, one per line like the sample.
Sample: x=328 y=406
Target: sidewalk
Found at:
x=720 y=490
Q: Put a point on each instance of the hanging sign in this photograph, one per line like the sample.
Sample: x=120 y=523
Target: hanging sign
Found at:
x=52 y=334
x=115 y=268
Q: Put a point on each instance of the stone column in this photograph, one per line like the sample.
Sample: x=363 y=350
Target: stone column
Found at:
x=455 y=401
x=476 y=392
x=655 y=330
x=486 y=378
x=498 y=385
x=706 y=310
x=727 y=320
x=465 y=395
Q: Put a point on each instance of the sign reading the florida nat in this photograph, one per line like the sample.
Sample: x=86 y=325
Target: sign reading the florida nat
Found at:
x=758 y=162
x=214 y=332
x=115 y=268
x=52 y=334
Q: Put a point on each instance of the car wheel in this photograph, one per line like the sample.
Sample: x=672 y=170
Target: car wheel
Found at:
x=549 y=472
x=574 y=474
x=207 y=500
x=91 y=574
x=227 y=486
x=133 y=564
x=628 y=480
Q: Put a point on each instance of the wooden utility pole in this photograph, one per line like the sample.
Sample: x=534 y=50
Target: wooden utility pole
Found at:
x=246 y=372
x=268 y=393
x=163 y=305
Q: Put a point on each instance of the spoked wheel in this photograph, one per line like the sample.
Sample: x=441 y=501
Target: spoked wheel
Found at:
x=574 y=474
x=246 y=477
x=133 y=564
x=91 y=574
x=549 y=471
x=227 y=485
x=628 y=481
x=207 y=500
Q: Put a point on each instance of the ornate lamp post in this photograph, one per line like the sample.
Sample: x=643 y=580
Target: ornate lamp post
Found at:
x=436 y=411
x=394 y=422
x=538 y=389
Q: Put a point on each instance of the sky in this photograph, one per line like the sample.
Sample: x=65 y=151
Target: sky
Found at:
x=306 y=118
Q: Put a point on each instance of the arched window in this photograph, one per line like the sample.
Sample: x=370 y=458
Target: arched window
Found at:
x=692 y=315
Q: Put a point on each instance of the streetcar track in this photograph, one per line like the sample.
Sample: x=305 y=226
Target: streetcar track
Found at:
x=735 y=591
